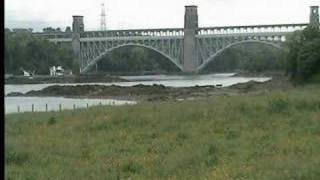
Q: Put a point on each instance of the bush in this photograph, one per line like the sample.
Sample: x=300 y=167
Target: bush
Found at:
x=14 y=157
x=132 y=167
x=211 y=158
x=303 y=58
x=278 y=105
x=52 y=121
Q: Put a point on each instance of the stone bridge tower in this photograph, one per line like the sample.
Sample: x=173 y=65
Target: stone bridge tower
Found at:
x=314 y=16
x=77 y=29
x=190 y=62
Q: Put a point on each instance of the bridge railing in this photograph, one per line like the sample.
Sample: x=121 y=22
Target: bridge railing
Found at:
x=251 y=29
x=134 y=33
x=264 y=36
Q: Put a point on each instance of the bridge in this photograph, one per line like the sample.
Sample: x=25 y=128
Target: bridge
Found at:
x=190 y=48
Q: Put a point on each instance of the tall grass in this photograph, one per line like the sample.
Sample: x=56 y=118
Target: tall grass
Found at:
x=268 y=136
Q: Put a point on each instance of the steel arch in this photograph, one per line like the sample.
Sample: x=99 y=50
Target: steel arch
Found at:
x=212 y=57
x=95 y=60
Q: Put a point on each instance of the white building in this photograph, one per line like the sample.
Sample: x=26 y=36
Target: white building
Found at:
x=26 y=73
x=56 y=71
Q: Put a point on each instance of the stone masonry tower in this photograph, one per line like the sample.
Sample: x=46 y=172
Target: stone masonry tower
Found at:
x=77 y=29
x=189 y=41
x=77 y=24
x=314 y=16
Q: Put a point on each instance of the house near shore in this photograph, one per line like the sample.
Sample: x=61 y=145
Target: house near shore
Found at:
x=27 y=74
x=56 y=71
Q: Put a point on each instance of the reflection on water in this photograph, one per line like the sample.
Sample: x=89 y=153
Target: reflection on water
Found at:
x=25 y=103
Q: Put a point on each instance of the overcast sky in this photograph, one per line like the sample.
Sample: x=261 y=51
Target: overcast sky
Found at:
x=132 y=14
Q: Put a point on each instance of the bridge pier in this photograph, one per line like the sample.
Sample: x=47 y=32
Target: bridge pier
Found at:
x=314 y=17
x=77 y=29
x=189 y=40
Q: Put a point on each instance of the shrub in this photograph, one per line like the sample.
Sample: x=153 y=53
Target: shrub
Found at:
x=212 y=158
x=52 y=121
x=231 y=133
x=14 y=157
x=278 y=105
x=132 y=167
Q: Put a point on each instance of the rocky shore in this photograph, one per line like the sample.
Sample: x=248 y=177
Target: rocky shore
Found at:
x=157 y=92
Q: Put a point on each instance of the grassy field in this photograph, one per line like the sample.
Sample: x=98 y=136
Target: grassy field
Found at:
x=273 y=135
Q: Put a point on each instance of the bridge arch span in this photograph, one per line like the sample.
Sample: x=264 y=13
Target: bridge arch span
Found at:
x=97 y=59
x=216 y=54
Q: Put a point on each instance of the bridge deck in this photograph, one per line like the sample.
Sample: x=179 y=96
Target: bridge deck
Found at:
x=153 y=38
x=175 y=33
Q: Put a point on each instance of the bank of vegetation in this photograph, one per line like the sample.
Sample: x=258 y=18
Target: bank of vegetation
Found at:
x=303 y=57
x=25 y=51
x=133 y=60
x=250 y=58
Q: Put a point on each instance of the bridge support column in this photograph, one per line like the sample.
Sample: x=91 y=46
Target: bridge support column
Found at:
x=190 y=62
x=77 y=29
x=314 y=17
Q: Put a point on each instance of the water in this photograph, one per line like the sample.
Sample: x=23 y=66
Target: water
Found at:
x=172 y=81
x=25 y=103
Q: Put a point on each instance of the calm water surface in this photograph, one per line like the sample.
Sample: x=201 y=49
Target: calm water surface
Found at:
x=25 y=103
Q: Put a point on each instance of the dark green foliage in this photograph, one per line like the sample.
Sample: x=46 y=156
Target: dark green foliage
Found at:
x=52 y=121
x=132 y=167
x=211 y=158
x=85 y=151
x=13 y=157
x=251 y=57
x=278 y=105
x=24 y=50
x=232 y=133
x=303 y=59
x=50 y=29
x=133 y=59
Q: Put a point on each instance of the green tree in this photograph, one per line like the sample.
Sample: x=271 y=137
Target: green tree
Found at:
x=303 y=59
x=33 y=53
x=252 y=57
x=135 y=60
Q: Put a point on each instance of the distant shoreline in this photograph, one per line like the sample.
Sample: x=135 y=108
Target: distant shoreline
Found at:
x=156 y=92
x=65 y=79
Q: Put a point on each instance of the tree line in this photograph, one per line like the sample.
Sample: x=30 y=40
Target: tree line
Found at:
x=303 y=55
x=250 y=57
x=23 y=50
x=136 y=60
